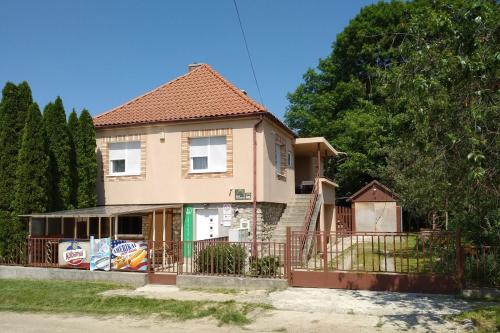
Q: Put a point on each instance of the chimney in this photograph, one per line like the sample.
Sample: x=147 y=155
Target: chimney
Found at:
x=194 y=66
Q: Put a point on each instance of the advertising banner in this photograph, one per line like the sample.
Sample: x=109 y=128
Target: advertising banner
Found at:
x=129 y=255
x=73 y=253
x=100 y=253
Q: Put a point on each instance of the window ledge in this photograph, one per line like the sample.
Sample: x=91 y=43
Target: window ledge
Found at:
x=124 y=174
x=206 y=171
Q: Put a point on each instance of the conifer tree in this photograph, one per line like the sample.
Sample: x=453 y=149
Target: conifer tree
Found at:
x=13 y=110
x=86 y=161
x=73 y=129
x=31 y=188
x=59 y=145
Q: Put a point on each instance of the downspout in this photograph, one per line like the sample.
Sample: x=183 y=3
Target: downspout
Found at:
x=254 y=190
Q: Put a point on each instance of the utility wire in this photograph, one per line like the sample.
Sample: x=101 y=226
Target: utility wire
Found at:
x=248 y=52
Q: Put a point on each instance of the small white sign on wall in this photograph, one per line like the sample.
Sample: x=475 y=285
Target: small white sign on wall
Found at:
x=227 y=215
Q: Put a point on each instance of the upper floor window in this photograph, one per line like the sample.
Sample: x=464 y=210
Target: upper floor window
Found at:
x=277 y=158
x=208 y=154
x=125 y=158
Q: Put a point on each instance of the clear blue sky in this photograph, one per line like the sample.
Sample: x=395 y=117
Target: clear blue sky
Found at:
x=99 y=54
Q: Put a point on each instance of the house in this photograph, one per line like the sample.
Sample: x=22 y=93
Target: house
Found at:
x=193 y=159
x=376 y=208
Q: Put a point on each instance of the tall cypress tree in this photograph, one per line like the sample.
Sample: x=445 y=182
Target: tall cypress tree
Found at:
x=13 y=110
x=32 y=186
x=73 y=130
x=86 y=161
x=59 y=144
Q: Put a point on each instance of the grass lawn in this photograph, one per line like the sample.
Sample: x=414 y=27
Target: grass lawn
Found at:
x=486 y=319
x=83 y=298
x=399 y=254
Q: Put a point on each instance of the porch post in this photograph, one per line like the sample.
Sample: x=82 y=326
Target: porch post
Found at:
x=154 y=226
x=46 y=226
x=110 y=227
x=99 y=233
x=75 y=227
x=62 y=226
x=30 y=226
x=164 y=223
x=318 y=166
x=116 y=227
x=88 y=226
x=163 y=239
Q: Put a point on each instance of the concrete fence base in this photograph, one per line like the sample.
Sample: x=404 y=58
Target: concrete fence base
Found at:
x=40 y=273
x=229 y=282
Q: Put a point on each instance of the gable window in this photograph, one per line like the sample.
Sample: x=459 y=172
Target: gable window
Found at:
x=277 y=158
x=125 y=158
x=208 y=154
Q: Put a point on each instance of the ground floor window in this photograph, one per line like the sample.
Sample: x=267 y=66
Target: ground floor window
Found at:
x=130 y=225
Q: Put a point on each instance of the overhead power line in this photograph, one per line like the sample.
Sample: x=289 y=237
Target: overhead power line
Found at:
x=248 y=52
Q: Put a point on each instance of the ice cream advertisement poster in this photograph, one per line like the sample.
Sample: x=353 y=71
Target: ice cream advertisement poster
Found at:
x=100 y=253
x=129 y=255
x=73 y=254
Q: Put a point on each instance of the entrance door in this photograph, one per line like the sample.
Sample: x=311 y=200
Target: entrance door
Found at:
x=207 y=224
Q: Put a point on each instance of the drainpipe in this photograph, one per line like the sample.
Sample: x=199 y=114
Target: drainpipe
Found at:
x=254 y=213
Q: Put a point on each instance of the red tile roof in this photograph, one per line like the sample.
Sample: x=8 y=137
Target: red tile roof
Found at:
x=200 y=93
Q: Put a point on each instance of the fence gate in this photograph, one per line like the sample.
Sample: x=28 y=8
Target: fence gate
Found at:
x=406 y=262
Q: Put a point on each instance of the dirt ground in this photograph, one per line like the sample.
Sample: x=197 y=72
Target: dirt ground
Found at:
x=296 y=310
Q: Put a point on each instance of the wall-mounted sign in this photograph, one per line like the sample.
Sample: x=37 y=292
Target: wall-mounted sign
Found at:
x=100 y=253
x=227 y=215
x=240 y=194
x=129 y=255
x=73 y=254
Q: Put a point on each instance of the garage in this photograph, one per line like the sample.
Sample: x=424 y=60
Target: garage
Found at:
x=376 y=208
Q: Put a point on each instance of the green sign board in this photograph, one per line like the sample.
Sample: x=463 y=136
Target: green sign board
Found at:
x=187 y=228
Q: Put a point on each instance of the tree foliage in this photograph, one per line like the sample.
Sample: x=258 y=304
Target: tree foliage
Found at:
x=86 y=161
x=13 y=109
x=447 y=157
x=410 y=93
x=340 y=100
x=32 y=186
x=59 y=143
x=73 y=130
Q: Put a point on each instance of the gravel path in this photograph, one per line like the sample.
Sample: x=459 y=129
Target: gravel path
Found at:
x=316 y=310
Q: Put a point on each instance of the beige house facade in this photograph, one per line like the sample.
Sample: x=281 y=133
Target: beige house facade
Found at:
x=200 y=144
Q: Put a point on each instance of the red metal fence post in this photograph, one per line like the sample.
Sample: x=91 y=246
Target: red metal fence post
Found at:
x=460 y=258
x=288 y=254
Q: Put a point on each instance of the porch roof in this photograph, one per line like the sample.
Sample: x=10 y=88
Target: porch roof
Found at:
x=308 y=146
x=102 y=211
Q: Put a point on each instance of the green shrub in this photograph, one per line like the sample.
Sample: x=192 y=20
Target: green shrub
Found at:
x=265 y=266
x=482 y=271
x=221 y=258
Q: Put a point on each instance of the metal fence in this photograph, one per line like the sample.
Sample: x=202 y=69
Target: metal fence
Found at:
x=401 y=253
x=482 y=266
x=378 y=252
x=222 y=258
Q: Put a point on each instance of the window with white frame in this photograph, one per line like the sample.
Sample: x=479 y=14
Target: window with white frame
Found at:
x=125 y=158
x=208 y=154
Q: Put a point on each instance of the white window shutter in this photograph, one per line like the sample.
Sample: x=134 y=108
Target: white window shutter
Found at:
x=218 y=153
x=198 y=147
x=133 y=158
x=117 y=151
